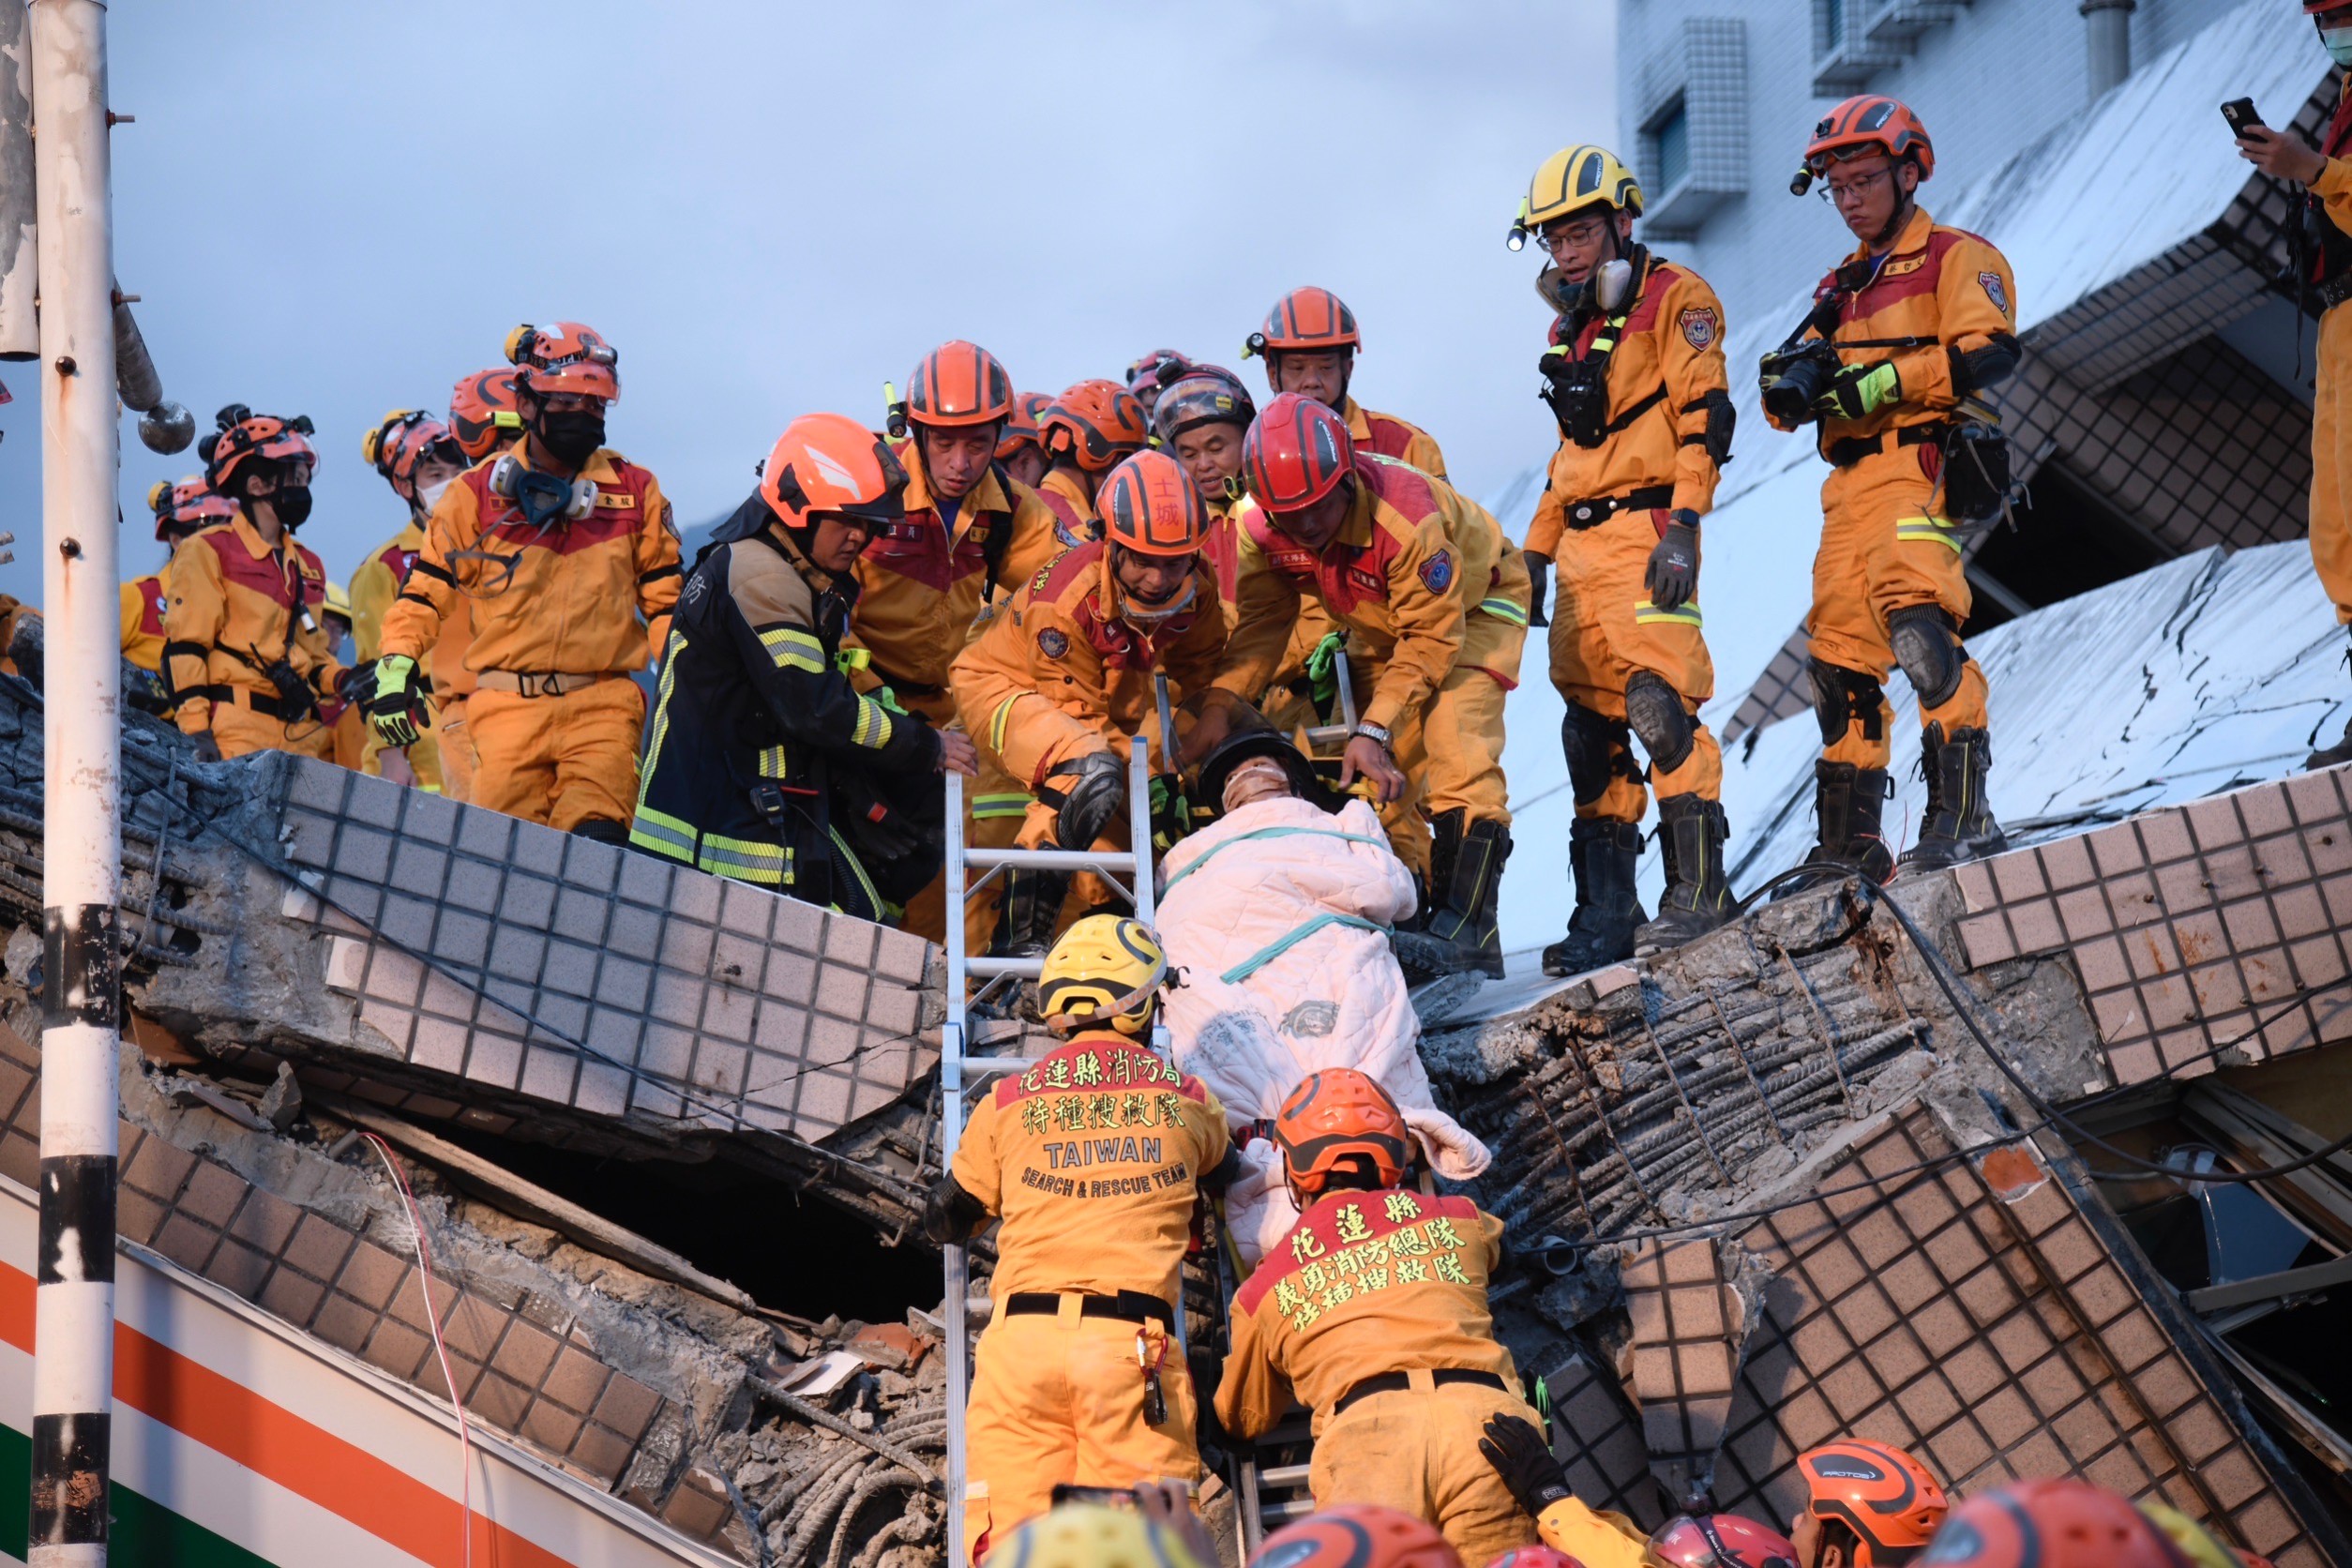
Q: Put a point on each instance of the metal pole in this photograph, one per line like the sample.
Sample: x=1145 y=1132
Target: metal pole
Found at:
x=74 y=1361
x=2107 y=44
x=951 y=1131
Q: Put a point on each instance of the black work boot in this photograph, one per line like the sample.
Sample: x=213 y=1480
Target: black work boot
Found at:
x=1848 y=803
x=1603 y=856
x=1691 y=832
x=1032 y=905
x=1466 y=870
x=1958 y=825
x=2340 y=753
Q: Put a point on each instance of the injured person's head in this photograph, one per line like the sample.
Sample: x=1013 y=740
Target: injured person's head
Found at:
x=1259 y=778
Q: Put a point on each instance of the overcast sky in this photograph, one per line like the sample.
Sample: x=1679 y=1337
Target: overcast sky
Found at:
x=769 y=209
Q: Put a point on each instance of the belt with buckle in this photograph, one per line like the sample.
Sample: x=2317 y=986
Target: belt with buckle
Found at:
x=1389 y=1382
x=1582 y=515
x=523 y=683
x=1132 y=1306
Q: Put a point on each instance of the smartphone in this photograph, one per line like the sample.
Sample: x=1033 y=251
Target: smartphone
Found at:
x=2241 y=116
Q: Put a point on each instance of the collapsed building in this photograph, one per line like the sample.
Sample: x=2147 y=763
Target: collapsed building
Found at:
x=666 y=1136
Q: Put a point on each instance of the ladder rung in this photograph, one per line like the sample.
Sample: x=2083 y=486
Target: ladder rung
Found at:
x=1286 y=1476
x=984 y=969
x=1054 y=860
x=1279 y=1513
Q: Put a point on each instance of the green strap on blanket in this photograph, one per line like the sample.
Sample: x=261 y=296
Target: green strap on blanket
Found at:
x=1273 y=950
x=1269 y=833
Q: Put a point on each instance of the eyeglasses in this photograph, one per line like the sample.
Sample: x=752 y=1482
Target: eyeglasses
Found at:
x=1833 y=193
x=1578 y=235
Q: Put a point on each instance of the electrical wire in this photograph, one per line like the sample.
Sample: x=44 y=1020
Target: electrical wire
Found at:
x=432 y=1321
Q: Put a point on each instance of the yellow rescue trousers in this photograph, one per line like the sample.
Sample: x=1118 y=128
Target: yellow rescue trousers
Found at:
x=1417 y=1449
x=562 y=761
x=994 y=804
x=237 y=730
x=2332 y=462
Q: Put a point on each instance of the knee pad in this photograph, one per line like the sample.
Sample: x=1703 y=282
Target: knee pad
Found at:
x=1595 y=747
x=1654 y=712
x=1928 y=649
x=1840 y=696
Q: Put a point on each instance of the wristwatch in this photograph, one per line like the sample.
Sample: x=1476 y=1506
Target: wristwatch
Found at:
x=1374 y=733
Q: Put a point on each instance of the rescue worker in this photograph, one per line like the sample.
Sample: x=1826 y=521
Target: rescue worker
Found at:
x=1092 y=1159
x=1021 y=451
x=482 y=420
x=1058 y=679
x=2326 y=177
x=1155 y=370
x=1200 y=419
x=1309 y=343
x=970 y=533
x=567 y=555
x=1089 y=430
x=1722 y=1541
x=346 y=719
x=1358 y=1535
x=2060 y=1523
x=1434 y=604
x=180 y=509
x=1374 y=1313
x=1867 y=1505
x=1918 y=321
x=246 y=657
x=765 y=763
x=419 y=458
x=1635 y=377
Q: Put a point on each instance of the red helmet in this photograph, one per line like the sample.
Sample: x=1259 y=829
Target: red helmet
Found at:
x=1296 y=453
x=1535 y=1557
x=1337 y=1113
x=1309 y=319
x=1884 y=1495
x=565 y=357
x=1021 y=425
x=1150 y=505
x=401 y=440
x=1722 y=1541
x=1155 y=369
x=2051 y=1524
x=1203 y=395
x=1357 y=1535
x=2321 y=7
x=1865 y=123
x=244 y=436
x=959 y=384
x=829 y=462
x=185 y=505
x=1093 y=424
x=482 y=411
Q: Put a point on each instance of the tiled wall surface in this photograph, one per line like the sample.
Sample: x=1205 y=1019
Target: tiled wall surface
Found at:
x=1968 y=1312
x=523 y=1364
x=536 y=964
x=1690 y=1330
x=2221 y=924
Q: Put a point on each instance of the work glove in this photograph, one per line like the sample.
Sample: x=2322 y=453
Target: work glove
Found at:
x=1095 y=794
x=207 y=745
x=1539 y=587
x=1172 y=812
x=1673 y=575
x=1523 y=1459
x=395 y=708
x=951 y=1216
x=350 y=682
x=1858 y=391
x=1322 y=671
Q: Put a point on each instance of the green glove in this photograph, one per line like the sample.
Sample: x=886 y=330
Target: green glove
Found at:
x=1322 y=671
x=1861 y=390
x=396 y=708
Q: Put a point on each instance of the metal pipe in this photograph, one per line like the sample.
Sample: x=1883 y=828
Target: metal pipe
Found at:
x=73 y=1358
x=20 y=263
x=2107 y=42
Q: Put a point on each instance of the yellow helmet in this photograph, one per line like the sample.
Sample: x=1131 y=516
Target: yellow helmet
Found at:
x=338 y=600
x=1571 y=180
x=1104 y=970
x=1094 y=1536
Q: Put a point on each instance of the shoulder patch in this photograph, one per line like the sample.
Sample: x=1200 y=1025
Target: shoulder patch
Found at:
x=1699 y=328
x=1437 y=573
x=1996 y=290
x=1052 y=642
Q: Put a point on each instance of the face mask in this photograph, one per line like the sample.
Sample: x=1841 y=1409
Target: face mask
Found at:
x=2337 y=41
x=430 y=497
x=292 y=503
x=572 y=437
x=1134 y=608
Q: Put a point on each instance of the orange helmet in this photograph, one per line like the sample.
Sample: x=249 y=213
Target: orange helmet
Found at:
x=2051 y=1524
x=1306 y=318
x=829 y=462
x=1722 y=1541
x=185 y=505
x=482 y=411
x=1335 y=1114
x=959 y=384
x=1093 y=424
x=1535 y=1557
x=1357 y=1535
x=244 y=436
x=1884 y=1495
x=1868 y=122
x=566 y=357
x=1150 y=505
x=1296 y=453
x=401 y=440
x=1155 y=369
x=1021 y=425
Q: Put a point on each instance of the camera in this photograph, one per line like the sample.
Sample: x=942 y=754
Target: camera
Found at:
x=1794 y=379
x=1577 y=391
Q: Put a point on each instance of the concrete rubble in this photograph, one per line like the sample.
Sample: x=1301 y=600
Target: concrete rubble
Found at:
x=1761 y=1190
